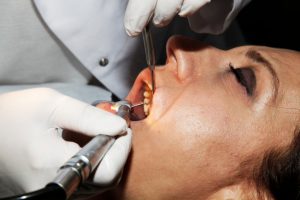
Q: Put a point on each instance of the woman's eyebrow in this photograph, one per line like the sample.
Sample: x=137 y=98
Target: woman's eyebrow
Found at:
x=258 y=58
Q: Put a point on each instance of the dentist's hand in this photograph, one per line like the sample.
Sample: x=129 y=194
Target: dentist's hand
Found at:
x=31 y=146
x=140 y=12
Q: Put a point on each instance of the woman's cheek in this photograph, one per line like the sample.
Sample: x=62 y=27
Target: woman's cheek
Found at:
x=198 y=117
x=162 y=103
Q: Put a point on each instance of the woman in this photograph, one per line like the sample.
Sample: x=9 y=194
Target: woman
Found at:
x=79 y=48
x=221 y=125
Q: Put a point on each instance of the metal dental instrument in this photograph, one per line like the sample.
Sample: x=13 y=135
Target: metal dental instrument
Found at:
x=136 y=105
x=150 y=53
x=76 y=170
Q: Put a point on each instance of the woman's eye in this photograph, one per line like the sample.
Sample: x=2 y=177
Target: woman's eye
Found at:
x=246 y=77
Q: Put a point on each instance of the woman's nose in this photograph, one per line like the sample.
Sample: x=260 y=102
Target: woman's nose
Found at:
x=191 y=56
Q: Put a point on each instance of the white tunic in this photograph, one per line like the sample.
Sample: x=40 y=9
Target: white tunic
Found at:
x=62 y=41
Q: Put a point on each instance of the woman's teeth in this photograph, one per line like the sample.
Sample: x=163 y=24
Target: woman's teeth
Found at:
x=147 y=99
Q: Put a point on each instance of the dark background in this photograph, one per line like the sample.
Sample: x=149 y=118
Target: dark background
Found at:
x=271 y=23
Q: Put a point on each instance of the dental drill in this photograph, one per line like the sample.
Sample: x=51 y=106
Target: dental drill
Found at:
x=78 y=168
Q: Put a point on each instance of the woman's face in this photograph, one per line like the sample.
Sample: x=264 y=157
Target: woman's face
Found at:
x=213 y=116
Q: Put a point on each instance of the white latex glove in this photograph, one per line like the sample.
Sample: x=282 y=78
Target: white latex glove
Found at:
x=31 y=146
x=139 y=13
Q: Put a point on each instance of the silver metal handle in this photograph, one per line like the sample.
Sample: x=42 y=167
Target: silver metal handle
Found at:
x=77 y=170
x=150 y=53
x=149 y=47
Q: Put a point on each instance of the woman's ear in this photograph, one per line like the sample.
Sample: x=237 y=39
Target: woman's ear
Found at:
x=240 y=191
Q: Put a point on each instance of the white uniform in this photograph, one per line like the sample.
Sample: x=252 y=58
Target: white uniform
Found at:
x=60 y=42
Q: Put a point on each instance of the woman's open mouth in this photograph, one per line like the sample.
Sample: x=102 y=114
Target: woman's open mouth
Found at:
x=141 y=92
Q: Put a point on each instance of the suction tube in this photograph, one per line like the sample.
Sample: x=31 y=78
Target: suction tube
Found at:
x=50 y=192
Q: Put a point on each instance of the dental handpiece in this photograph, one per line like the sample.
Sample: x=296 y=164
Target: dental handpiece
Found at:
x=77 y=170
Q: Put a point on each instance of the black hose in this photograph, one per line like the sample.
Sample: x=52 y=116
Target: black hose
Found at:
x=50 y=192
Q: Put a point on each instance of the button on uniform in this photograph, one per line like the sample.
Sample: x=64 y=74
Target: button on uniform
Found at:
x=103 y=62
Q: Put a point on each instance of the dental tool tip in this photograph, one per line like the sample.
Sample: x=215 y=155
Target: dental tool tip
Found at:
x=153 y=81
x=138 y=104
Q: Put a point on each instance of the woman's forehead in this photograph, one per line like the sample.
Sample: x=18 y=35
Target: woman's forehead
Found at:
x=286 y=63
x=278 y=54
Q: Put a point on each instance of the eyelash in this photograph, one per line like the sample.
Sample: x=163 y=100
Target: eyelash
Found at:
x=245 y=77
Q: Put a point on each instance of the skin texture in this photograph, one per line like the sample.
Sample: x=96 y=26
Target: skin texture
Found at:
x=205 y=135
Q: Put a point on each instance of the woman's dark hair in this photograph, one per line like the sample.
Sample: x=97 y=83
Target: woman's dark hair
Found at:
x=280 y=172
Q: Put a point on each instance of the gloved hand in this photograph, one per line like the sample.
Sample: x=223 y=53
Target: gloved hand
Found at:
x=139 y=13
x=31 y=146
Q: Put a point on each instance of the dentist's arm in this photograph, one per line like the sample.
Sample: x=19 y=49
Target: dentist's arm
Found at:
x=205 y=16
x=31 y=146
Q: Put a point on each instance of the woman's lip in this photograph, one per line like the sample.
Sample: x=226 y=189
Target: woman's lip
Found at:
x=136 y=95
